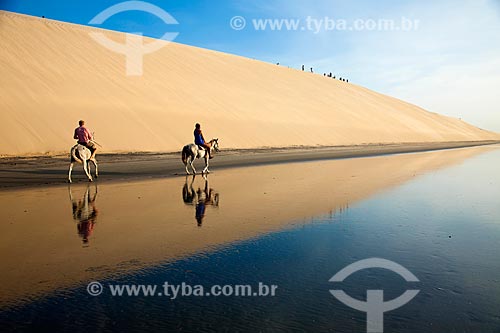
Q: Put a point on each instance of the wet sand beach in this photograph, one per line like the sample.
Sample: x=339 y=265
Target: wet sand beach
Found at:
x=328 y=206
x=145 y=222
x=52 y=170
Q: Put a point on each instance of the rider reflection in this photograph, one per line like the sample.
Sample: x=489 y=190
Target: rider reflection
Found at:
x=84 y=213
x=200 y=198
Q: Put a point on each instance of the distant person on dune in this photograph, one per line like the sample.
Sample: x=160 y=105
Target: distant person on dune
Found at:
x=200 y=140
x=84 y=137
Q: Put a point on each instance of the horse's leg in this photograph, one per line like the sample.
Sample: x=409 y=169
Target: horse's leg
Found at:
x=188 y=159
x=86 y=199
x=69 y=173
x=86 y=169
x=206 y=163
x=192 y=167
x=95 y=194
x=192 y=164
x=88 y=166
x=94 y=161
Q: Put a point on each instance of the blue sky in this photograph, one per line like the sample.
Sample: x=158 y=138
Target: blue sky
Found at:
x=449 y=65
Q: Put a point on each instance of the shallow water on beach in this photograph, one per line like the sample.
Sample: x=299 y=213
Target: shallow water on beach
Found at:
x=290 y=225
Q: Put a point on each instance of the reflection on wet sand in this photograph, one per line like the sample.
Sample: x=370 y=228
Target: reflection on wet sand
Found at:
x=199 y=198
x=84 y=213
x=144 y=223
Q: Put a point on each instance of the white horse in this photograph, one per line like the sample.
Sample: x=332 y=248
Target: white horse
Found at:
x=191 y=152
x=81 y=154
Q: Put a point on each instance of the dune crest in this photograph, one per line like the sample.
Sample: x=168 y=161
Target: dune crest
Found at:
x=54 y=73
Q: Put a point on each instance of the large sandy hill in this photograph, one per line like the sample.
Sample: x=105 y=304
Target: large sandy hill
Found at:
x=54 y=73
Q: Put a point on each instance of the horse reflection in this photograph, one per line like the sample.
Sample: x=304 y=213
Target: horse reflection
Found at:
x=84 y=213
x=199 y=198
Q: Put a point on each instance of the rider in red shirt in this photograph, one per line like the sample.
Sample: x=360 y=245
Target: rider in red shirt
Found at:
x=84 y=137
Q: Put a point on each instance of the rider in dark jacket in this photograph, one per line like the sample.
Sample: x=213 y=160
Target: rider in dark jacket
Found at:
x=200 y=140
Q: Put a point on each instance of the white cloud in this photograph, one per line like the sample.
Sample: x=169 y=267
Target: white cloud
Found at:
x=464 y=91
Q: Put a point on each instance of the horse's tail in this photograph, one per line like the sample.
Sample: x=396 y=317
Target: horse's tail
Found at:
x=185 y=154
x=74 y=156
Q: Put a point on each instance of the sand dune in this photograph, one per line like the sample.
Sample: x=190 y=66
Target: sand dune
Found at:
x=54 y=73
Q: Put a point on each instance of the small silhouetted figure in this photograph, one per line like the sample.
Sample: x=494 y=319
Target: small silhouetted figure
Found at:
x=334 y=77
x=278 y=63
x=340 y=78
x=347 y=80
x=43 y=16
x=302 y=67
x=312 y=70
x=324 y=74
x=330 y=74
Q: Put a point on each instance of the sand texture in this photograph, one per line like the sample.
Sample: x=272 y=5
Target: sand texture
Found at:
x=54 y=73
